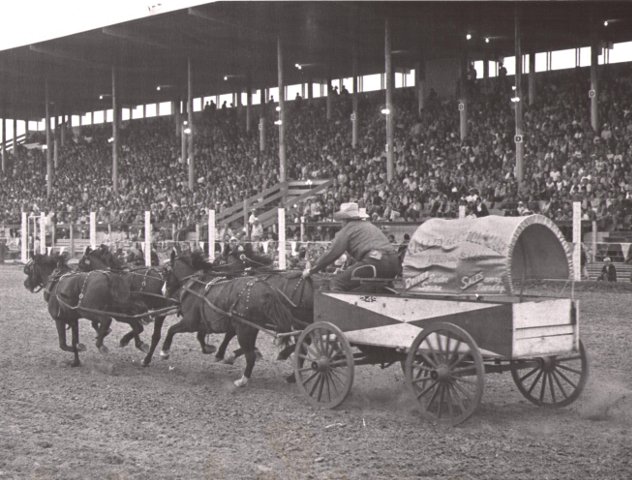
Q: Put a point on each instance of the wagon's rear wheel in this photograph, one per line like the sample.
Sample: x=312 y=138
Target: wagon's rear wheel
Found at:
x=323 y=364
x=445 y=371
x=553 y=381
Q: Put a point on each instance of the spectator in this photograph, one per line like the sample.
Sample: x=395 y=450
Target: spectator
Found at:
x=608 y=271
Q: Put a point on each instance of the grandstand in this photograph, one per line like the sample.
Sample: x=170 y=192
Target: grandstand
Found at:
x=212 y=138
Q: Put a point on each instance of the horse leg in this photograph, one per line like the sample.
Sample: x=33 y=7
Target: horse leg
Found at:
x=96 y=327
x=155 y=338
x=75 y=342
x=247 y=338
x=61 y=335
x=206 y=348
x=103 y=330
x=221 y=351
x=182 y=326
x=137 y=329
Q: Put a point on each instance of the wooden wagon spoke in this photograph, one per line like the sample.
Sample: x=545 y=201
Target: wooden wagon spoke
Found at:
x=449 y=400
x=554 y=374
x=323 y=379
x=458 y=360
x=524 y=377
x=434 y=396
x=568 y=380
x=552 y=390
x=310 y=378
x=463 y=391
x=535 y=381
x=426 y=390
x=319 y=379
x=543 y=387
x=564 y=367
x=457 y=397
x=428 y=360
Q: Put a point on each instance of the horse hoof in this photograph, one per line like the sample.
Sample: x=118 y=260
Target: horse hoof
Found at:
x=75 y=364
x=81 y=347
x=164 y=355
x=208 y=349
x=241 y=382
x=103 y=349
x=145 y=363
x=291 y=378
x=229 y=360
x=143 y=347
x=123 y=344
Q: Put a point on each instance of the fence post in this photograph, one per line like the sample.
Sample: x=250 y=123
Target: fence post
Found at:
x=594 y=240
x=93 y=230
x=461 y=211
x=577 y=240
x=282 y=263
x=72 y=239
x=302 y=228
x=24 y=243
x=147 y=239
x=42 y=225
x=211 y=235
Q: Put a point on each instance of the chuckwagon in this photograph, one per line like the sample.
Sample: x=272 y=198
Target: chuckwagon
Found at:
x=463 y=308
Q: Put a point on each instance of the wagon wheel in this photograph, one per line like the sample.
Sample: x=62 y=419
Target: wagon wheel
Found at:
x=445 y=371
x=323 y=364
x=553 y=381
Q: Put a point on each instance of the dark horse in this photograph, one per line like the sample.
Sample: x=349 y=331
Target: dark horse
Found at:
x=70 y=295
x=146 y=286
x=238 y=306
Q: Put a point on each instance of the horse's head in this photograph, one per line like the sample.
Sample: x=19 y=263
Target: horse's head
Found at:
x=180 y=268
x=37 y=271
x=99 y=259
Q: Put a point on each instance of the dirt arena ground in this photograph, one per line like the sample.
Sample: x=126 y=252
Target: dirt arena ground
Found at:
x=182 y=418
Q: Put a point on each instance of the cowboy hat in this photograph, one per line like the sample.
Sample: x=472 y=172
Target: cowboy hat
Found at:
x=350 y=211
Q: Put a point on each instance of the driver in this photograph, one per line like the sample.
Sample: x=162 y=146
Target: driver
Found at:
x=375 y=256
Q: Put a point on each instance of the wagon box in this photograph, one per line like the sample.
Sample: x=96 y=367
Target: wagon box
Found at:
x=515 y=329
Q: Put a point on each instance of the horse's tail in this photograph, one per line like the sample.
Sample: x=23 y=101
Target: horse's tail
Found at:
x=277 y=312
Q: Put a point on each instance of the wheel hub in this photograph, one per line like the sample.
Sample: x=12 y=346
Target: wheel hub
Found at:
x=441 y=373
x=321 y=364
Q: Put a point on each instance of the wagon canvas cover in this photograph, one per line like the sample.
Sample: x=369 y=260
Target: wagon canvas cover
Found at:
x=484 y=255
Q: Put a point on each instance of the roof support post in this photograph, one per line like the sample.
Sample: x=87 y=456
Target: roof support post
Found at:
x=15 y=132
x=330 y=92
x=389 y=100
x=55 y=144
x=531 y=78
x=177 y=116
x=248 y=103
x=262 y=121
x=115 y=131
x=419 y=86
x=518 y=139
x=463 y=94
x=49 y=159
x=594 y=85
x=281 y=110
x=354 y=103
x=4 y=144
x=62 y=130
x=190 y=119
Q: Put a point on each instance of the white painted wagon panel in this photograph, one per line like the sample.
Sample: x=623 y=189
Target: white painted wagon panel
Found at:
x=549 y=331
x=533 y=347
x=408 y=309
x=542 y=313
x=399 y=336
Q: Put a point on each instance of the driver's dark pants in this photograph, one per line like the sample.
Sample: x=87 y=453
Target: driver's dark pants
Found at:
x=387 y=267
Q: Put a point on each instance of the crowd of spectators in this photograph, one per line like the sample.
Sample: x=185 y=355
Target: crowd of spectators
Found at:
x=435 y=172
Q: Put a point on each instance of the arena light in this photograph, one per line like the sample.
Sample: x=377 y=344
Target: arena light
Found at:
x=110 y=140
x=605 y=23
x=278 y=109
x=486 y=39
x=185 y=123
x=298 y=66
x=385 y=111
x=515 y=99
x=44 y=147
x=225 y=78
x=278 y=122
x=468 y=36
x=187 y=131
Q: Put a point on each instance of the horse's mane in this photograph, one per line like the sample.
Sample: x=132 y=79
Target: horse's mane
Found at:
x=199 y=261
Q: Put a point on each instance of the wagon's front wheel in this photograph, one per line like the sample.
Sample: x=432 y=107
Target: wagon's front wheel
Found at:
x=553 y=381
x=323 y=364
x=444 y=368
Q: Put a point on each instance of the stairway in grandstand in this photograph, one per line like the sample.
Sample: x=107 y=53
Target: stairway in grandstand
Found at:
x=268 y=201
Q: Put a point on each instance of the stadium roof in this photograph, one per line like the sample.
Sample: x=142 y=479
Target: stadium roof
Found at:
x=240 y=38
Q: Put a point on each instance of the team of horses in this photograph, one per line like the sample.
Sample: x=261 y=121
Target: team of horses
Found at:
x=233 y=300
